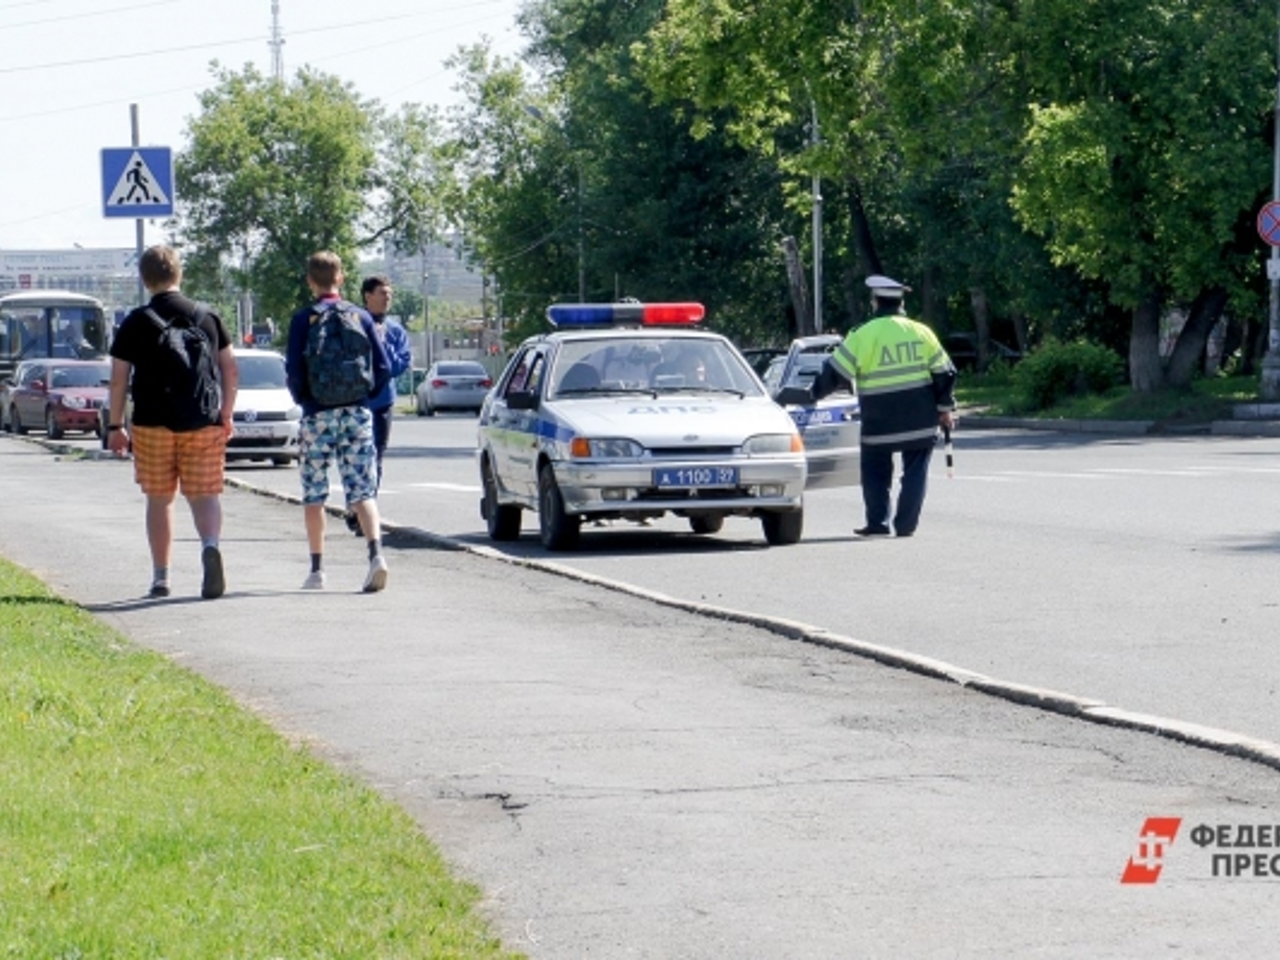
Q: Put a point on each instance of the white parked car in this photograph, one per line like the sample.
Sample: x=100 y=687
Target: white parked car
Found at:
x=631 y=411
x=265 y=418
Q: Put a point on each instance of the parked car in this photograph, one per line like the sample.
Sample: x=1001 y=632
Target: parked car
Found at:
x=452 y=385
x=832 y=427
x=963 y=350
x=265 y=418
x=56 y=396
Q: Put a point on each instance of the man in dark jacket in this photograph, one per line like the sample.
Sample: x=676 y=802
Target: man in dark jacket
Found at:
x=905 y=384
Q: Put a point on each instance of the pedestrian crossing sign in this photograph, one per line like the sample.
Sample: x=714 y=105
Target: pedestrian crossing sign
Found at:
x=137 y=182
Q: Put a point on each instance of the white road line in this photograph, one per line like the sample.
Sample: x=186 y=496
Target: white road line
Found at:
x=455 y=487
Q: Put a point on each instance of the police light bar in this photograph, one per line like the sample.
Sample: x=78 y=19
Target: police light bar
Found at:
x=584 y=315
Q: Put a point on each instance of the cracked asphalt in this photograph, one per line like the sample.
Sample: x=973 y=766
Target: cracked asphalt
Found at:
x=623 y=779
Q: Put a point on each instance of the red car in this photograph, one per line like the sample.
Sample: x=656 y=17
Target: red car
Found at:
x=55 y=395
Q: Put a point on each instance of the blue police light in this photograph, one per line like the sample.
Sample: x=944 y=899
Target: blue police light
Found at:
x=587 y=315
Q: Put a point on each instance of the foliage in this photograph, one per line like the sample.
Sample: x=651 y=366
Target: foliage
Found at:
x=1058 y=370
x=273 y=172
x=145 y=814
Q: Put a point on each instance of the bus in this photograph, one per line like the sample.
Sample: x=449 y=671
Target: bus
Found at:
x=50 y=323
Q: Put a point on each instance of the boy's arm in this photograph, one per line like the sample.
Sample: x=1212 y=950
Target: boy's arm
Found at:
x=398 y=352
x=295 y=372
x=381 y=363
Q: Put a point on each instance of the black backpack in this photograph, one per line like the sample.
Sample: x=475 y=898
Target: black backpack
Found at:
x=339 y=356
x=192 y=385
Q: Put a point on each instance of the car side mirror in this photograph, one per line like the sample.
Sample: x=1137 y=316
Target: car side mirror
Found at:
x=519 y=400
x=793 y=396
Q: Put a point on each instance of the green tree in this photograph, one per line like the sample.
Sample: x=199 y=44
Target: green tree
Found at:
x=273 y=172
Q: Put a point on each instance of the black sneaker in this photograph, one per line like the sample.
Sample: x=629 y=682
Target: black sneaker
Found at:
x=872 y=531
x=158 y=590
x=214 y=584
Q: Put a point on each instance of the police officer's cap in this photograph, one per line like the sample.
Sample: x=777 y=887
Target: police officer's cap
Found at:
x=886 y=287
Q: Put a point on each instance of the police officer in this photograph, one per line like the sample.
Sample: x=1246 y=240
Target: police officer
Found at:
x=905 y=388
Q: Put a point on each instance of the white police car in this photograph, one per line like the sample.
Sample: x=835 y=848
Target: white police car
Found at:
x=630 y=411
x=832 y=427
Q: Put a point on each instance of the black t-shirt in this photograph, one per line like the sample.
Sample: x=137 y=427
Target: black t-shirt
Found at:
x=137 y=342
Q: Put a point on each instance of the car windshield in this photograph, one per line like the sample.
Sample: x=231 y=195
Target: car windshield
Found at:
x=461 y=370
x=651 y=364
x=261 y=373
x=93 y=375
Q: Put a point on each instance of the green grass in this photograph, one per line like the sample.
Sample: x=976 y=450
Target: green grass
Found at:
x=1208 y=399
x=146 y=815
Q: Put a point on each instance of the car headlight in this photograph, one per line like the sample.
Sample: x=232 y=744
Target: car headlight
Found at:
x=293 y=413
x=770 y=443
x=608 y=449
x=72 y=403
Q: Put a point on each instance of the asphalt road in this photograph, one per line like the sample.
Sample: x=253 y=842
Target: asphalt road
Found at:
x=1141 y=572
x=623 y=779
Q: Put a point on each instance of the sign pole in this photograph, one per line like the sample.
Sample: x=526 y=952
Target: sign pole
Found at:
x=138 y=224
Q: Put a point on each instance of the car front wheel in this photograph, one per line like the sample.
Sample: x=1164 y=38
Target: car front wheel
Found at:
x=15 y=421
x=783 y=528
x=51 y=428
x=558 y=530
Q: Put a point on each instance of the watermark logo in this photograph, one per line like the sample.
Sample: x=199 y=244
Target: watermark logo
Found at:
x=1154 y=841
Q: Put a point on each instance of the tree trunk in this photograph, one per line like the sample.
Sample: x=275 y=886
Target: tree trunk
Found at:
x=865 y=244
x=933 y=305
x=1146 y=372
x=799 y=290
x=981 y=325
x=1020 y=331
x=1205 y=311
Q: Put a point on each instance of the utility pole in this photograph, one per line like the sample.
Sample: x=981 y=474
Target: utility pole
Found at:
x=1270 y=385
x=817 y=228
x=276 y=43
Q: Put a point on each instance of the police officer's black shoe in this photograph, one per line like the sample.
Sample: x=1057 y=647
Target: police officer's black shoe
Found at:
x=870 y=531
x=353 y=524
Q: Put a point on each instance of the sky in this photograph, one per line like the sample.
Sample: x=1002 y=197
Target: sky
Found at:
x=71 y=69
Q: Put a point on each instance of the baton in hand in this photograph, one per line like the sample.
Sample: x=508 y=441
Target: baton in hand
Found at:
x=950 y=451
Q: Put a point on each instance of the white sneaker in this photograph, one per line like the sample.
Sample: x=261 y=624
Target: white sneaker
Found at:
x=314 y=581
x=377 y=576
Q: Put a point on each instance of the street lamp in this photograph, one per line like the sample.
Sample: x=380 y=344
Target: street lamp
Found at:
x=577 y=162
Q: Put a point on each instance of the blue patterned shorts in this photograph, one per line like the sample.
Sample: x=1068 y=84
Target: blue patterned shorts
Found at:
x=344 y=434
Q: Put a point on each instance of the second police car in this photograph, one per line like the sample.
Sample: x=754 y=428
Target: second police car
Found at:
x=631 y=411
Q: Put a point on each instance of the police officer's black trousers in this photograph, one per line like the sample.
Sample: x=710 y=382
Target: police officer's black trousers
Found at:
x=877 y=486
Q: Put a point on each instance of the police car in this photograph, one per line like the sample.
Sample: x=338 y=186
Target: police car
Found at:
x=832 y=427
x=632 y=411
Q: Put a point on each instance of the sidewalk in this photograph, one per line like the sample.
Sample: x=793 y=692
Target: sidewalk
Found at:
x=627 y=780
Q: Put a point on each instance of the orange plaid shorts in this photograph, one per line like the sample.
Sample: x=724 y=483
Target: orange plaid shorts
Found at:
x=162 y=458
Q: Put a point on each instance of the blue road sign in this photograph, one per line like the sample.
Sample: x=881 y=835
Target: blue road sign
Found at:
x=137 y=182
x=1269 y=223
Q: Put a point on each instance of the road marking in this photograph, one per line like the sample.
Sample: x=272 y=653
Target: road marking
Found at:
x=455 y=487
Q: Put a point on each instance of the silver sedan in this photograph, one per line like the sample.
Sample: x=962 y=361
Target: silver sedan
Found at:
x=452 y=385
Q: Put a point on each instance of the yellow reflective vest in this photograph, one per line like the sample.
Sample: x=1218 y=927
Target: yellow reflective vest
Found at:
x=904 y=379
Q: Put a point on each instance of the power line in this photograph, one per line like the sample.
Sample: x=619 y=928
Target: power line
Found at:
x=81 y=16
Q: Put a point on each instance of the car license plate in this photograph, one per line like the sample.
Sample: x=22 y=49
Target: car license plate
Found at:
x=252 y=431
x=696 y=477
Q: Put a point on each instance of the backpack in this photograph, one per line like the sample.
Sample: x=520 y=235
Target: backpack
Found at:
x=339 y=356
x=192 y=385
